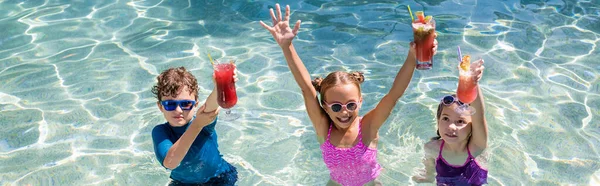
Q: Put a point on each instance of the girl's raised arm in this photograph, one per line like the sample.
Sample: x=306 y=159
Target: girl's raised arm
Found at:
x=479 y=131
x=283 y=34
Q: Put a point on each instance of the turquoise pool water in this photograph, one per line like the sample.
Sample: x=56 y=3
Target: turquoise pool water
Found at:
x=75 y=80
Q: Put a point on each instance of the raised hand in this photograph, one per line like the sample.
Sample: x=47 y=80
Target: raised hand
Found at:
x=206 y=116
x=477 y=70
x=413 y=47
x=235 y=78
x=281 y=31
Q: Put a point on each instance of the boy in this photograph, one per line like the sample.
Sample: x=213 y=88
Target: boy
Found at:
x=185 y=144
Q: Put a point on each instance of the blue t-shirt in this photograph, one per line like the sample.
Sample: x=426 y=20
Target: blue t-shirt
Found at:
x=202 y=162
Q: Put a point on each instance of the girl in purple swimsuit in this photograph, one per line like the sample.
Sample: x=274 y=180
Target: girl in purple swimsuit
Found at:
x=456 y=154
x=348 y=142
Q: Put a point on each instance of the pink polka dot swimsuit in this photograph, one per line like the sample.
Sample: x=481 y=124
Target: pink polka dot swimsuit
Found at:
x=353 y=166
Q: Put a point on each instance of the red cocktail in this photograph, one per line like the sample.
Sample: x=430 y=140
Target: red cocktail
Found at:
x=423 y=33
x=226 y=93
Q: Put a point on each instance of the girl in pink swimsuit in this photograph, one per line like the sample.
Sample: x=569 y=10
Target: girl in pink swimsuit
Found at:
x=455 y=156
x=348 y=142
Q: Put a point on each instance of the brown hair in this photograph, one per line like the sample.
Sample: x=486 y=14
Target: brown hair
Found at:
x=171 y=81
x=336 y=78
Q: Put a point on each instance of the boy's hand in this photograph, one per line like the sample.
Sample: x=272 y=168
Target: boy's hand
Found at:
x=206 y=116
x=235 y=79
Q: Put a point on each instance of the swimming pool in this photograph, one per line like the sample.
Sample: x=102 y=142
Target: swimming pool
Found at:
x=76 y=106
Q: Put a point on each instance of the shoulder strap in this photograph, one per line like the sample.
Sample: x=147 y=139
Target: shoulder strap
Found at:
x=441 y=148
x=329 y=132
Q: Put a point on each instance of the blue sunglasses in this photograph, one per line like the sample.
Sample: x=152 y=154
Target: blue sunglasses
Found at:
x=171 y=105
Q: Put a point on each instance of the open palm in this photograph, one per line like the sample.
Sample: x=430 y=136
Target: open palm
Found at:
x=281 y=31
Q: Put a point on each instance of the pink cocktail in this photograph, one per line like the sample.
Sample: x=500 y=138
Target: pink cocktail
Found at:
x=467 y=86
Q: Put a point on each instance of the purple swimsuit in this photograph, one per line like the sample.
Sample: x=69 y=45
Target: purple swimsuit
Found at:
x=469 y=173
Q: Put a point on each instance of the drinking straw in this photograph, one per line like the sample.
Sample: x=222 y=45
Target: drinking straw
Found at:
x=210 y=58
x=459 y=54
x=410 y=12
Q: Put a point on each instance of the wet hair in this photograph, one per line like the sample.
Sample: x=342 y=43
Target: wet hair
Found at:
x=172 y=81
x=337 y=78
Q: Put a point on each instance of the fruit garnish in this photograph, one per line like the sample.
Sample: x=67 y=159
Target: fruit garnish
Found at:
x=420 y=16
x=465 y=64
x=428 y=18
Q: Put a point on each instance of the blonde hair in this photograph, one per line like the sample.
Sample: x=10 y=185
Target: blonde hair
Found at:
x=337 y=78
